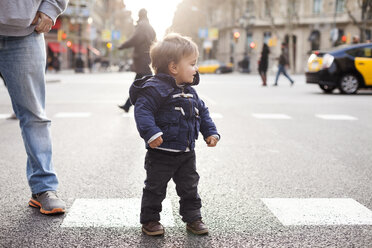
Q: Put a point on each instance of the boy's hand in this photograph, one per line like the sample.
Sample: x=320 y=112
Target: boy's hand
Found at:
x=211 y=141
x=157 y=142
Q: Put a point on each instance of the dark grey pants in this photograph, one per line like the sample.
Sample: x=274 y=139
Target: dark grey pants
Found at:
x=160 y=168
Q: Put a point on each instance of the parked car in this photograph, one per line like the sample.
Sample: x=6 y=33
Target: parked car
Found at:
x=347 y=68
x=214 y=66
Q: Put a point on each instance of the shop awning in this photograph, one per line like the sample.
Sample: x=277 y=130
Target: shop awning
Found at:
x=76 y=48
x=94 y=50
x=56 y=47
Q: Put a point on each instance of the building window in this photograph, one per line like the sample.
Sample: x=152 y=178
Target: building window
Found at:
x=317 y=6
x=340 y=6
x=267 y=37
x=250 y=7
x=249 y=40
x=314 y=39
x=268 y=8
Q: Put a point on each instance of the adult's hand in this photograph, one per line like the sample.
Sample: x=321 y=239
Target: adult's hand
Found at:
x=45 y=23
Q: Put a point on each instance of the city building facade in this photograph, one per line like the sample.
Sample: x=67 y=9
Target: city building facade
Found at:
x=88 y=31
x=301 y=25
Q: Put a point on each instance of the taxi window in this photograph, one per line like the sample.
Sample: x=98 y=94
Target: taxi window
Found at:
x=365 y=52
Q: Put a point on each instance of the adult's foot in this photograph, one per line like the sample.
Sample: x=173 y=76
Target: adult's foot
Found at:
x=48 y=202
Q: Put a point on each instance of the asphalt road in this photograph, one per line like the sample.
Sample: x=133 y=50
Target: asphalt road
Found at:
x=277 y=147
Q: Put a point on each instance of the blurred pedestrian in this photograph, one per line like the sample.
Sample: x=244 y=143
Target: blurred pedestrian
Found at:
x=169 y=115
x=283 y=63
x=264 y=63
x=79 y=65
x=56 y=64
x=356 y=39
x=22 y=64
x=144 y=35
x=244 y=64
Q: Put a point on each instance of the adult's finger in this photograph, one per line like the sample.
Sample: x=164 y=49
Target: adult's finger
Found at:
x=45 y=24
x=36 y=18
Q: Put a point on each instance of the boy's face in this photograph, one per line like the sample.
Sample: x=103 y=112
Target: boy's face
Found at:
x=185 y=69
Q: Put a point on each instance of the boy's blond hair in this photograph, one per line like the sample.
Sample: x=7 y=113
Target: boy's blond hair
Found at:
x=172 y=48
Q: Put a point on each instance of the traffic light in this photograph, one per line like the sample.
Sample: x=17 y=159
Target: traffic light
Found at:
x=61 y=35
x=68 y=43
x=344 y=38
x=252 y=45
x=236 y=36
x=109 y=45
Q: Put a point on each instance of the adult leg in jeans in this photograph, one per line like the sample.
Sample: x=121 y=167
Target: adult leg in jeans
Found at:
x=22 y=63
x=280 y=70
x=287 y=76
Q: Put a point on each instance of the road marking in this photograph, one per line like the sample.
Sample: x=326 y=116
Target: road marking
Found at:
x=4 y=116
x=128 y=115
x=216 y=115
x=111 y=213
x=337 y=117
x=319 y=211
x=271 y=116
x=73 y=115
x=208 y=100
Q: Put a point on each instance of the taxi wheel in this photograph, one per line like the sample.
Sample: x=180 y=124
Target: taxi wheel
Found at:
x=349 y=84
x=327 y=89
x=218 y=71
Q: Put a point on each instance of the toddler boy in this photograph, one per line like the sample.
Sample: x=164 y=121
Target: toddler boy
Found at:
x=169 y=115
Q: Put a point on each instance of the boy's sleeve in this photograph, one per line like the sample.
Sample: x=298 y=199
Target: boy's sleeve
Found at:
x=207 y=126
x=144 y=110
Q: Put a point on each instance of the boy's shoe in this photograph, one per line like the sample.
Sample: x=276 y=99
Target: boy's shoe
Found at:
x=153 y=228
x=197 y=227
x=48 y=202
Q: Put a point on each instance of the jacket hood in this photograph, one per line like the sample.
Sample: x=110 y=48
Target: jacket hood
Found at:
x=164 y=84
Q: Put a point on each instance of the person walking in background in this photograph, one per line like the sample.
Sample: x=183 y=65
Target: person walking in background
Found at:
x=169 y=115
x=283 y=62
x=264 y=63
x=22 y=64
x=144 y=35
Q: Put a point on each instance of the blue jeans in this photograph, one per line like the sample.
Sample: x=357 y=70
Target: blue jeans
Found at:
x=281 y=69
x=22 y=64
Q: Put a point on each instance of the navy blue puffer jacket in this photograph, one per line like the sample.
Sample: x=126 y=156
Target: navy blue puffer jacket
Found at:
x=177 y=112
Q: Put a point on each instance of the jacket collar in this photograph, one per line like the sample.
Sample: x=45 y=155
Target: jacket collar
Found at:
x=171 y=80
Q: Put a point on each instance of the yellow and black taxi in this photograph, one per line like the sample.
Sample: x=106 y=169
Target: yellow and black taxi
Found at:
x=214 y=66
x=347 y=68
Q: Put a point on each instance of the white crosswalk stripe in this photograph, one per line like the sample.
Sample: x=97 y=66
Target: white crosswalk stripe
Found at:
x=4 y=116
x=319 y=211
x=216 y=115
x=128 y=115
x=73 y=115
x=111 y=213
x=337 y=117
x=271 y=116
